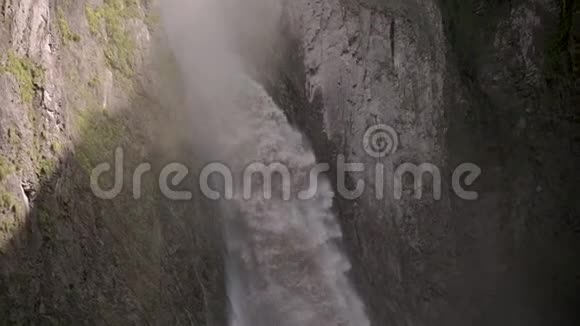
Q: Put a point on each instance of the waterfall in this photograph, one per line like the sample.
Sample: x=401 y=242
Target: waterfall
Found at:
x=283 y=264
x=284 y=267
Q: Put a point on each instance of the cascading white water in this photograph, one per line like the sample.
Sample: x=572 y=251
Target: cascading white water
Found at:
x=283 y=266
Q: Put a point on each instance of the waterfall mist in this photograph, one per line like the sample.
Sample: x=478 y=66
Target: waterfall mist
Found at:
x=283 y=267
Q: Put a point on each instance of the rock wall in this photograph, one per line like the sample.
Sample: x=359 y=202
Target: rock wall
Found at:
x=492 y=82
x=80 y=78
x=486 y=82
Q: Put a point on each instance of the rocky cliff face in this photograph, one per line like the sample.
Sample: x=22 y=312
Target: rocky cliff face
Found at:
x=493 y=83
x=371 y=63
x=80 y=78
x=487 y=82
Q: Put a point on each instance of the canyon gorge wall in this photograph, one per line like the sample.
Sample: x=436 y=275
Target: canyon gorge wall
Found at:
x=494 y=83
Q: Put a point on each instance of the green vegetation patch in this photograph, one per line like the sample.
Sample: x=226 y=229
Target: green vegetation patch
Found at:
x=56 y=148
x=94 y=18
x=5 y=169
x=120 y=47
x=46 y=166
x=8 y=201
x=99 y=135
x=66 y=33
x=27 y=73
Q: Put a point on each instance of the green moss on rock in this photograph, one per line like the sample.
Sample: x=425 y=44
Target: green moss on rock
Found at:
x=56 y=148
x=27 y=73
x=94 y=18
x=66 y=34
x=5 y=169
x=46 y=166
x=8 y=201
x=100 y=135
x=120 y=47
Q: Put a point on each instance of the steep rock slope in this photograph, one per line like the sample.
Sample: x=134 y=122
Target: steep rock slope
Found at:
x=80 y=78
x=492 y=83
